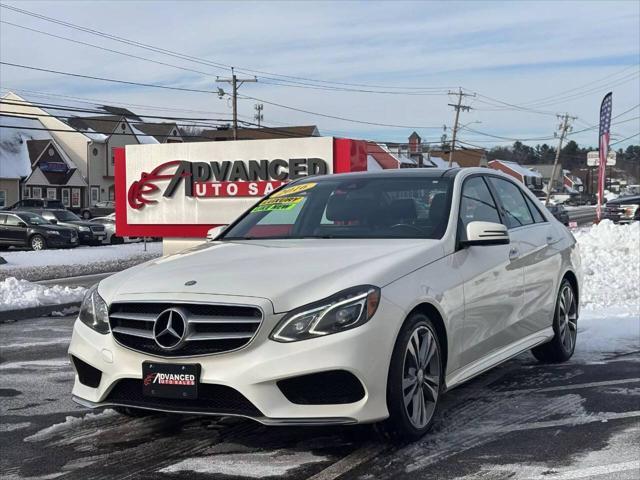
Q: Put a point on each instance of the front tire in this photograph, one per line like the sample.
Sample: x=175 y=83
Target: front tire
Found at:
x=415 y=379
x=37 y=242
x=565 y=327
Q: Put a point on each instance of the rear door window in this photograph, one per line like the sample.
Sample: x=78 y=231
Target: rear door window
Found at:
x=513 y=205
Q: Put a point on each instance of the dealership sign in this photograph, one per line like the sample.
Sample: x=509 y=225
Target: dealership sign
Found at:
x=183 y=189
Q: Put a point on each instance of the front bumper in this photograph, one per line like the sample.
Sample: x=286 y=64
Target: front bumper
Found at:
x=61 y=242
x=254 y=370
x=90 y=238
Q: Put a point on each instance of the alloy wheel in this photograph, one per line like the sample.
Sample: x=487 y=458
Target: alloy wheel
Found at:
x=37 y=243
x=567 y=318
x=421 y=377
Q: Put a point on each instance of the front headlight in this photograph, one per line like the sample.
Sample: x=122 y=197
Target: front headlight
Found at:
x=84 y=229
x=94 y=312
x=345 y=310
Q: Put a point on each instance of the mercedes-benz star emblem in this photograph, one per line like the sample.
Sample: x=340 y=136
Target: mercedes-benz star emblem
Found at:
x=170 y=328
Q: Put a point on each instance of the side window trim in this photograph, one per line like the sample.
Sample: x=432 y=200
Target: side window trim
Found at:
x=459 y=224
x=531 y=205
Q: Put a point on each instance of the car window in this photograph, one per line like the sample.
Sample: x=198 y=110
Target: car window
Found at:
x=48 y=215
x=2 y=219
x=514 y=208
x=13 y=221
x=476 y=203
x=535 y=211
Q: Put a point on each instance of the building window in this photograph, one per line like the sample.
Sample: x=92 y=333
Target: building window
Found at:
x=75 y=197
x=95 y=195
x=122 y=127
x=112 y=193
x=51 y=194
x=3 y=198
x=51 y=152
x=26 y=191
x=36 y=192
x=65 y=197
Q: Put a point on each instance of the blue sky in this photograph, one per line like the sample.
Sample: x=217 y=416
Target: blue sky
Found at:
x=552 y=57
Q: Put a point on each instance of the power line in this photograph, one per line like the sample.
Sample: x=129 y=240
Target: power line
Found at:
x=151 y=85
x=233 y=81
x=89 y=77
x=625 y=139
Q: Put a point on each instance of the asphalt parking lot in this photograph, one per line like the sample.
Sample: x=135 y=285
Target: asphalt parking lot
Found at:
x=519 y=421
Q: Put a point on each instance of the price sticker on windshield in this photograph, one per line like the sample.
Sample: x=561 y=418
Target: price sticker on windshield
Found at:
x=294 y=189
x=281 y=203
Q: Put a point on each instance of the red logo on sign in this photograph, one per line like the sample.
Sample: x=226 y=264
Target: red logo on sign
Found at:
x=146 y=185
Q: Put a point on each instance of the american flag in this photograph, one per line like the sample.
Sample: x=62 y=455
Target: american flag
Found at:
x=603 y=139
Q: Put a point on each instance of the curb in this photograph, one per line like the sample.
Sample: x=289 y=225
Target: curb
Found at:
x=9 y=316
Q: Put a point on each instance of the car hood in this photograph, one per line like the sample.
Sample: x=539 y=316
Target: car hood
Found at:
x=289 y=273
x=56 y=227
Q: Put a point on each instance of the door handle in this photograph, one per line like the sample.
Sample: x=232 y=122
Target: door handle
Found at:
x=514 y=253
x=550 y=238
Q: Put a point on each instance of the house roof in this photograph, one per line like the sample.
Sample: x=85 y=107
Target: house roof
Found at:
x=465 y=157
x=120 y=112
x=160 y=131
x=382 y=156
x=519 y=169
x=103 y=124
x=260 y=133
x=15 y=160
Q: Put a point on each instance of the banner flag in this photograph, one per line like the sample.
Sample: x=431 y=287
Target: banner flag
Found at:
x=603 y=141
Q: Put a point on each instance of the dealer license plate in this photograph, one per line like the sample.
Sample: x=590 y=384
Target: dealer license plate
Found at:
x=170 y=380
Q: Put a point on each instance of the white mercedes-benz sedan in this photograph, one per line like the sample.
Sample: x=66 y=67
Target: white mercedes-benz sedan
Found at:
x=350 y=298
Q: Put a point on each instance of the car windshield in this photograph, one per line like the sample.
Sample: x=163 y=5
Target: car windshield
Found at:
x=66 y=216
x=371 y=207
x=34 y=219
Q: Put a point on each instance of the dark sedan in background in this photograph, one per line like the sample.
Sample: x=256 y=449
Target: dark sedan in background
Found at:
x=88 y=233
x=27 y=229
x=560 y=213
x=623 y=209
x=100 y=209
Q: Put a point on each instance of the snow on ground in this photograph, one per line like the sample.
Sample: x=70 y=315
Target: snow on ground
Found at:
x=47 y=264
x=611 y=266
x=16 y=294
x=253 y=465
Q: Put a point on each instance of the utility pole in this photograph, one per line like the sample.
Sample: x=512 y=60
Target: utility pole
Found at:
x=236 y=83
x=258 y=116
x=564 y=127
x=457 y=106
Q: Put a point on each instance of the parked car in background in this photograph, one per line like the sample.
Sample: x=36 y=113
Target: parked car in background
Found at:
x=582 y=198
x=27 y=229
x=36 y=203
x=623 y=209
x=111 y=238
x=88 y=233
x=100 y=209
x=560 y=213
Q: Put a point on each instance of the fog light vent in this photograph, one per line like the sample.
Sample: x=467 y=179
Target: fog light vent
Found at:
x=324 y=388
x=88 y=375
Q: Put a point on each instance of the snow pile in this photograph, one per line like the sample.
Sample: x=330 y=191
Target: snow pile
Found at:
x=611 y=265
x=15 y=294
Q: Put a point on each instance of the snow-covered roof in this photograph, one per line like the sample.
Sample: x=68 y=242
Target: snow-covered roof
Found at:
x=372 y=164
x=439 y=162
x=14 y=154
x=516 y=167
x=142 y=137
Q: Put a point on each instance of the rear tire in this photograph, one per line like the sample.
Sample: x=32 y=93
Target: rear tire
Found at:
x=415 y=380
x=37 y=242
x=565 y=327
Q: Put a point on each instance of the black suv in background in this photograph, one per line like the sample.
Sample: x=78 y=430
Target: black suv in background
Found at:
x=88 y=233
x=623 y=209
x=31 y=203
x=27 y=229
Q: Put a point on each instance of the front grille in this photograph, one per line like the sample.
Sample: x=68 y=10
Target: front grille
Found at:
x=66 y=233
x=97 y=228
x=211 y=399
x=210 y=328
x=323 y=388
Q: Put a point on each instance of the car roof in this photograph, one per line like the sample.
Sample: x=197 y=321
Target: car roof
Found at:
x=389 y=173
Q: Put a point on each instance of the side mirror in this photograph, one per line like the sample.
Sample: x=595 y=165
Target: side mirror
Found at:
x=53 y=221
x=215 y=232
x=486 y=233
